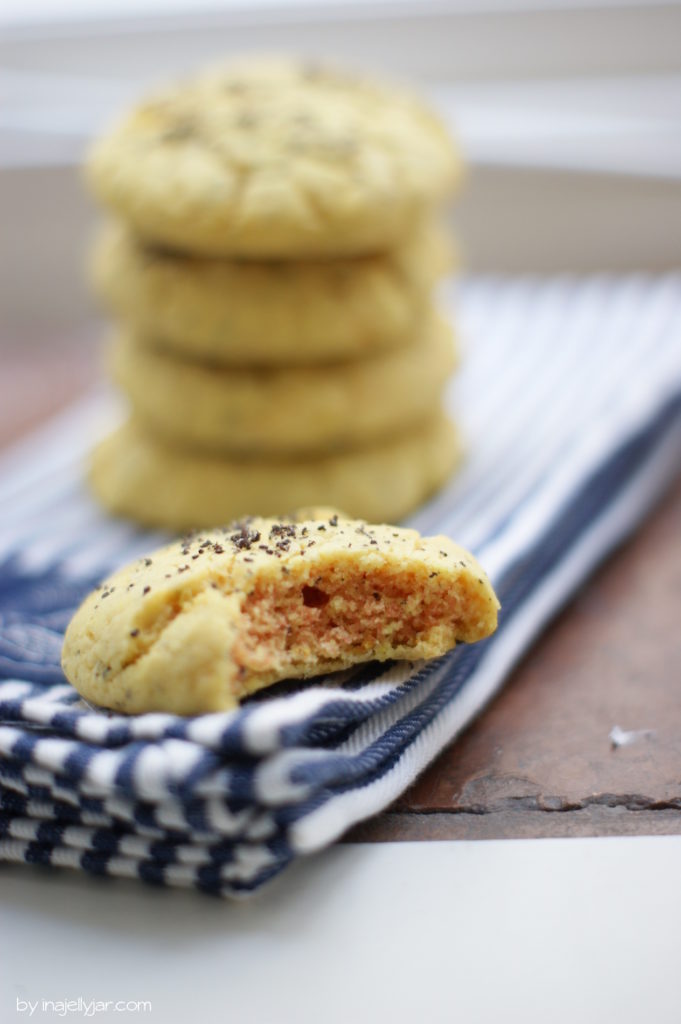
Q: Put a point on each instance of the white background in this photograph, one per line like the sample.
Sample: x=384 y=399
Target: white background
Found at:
x=586 y=931
x=568 y=111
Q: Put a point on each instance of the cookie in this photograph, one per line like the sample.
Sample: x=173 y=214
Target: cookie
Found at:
x=306 y=410
x=281 y=159
x=199 y=625
x=247 y=313
x=136 y=475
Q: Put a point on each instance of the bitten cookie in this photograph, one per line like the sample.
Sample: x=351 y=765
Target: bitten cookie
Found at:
x=199 y=625
x=271 y=158
x=307 y=410
x=136 y=475
x=245 y=313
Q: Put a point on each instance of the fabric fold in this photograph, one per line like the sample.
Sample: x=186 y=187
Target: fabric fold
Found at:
x=570 y=394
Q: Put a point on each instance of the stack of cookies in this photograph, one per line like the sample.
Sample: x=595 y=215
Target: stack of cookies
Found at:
x=272 y=266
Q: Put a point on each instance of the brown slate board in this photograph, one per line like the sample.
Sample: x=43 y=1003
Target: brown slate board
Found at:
x=539 y=761
x=38 y=380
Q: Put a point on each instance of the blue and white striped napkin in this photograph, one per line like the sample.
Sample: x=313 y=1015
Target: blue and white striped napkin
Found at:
x=570 y=398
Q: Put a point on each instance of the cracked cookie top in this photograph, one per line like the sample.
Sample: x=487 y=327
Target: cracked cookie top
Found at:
x=206 y=621
x=280 y=159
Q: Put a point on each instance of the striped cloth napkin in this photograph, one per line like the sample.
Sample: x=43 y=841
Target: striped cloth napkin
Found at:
x=570 y=398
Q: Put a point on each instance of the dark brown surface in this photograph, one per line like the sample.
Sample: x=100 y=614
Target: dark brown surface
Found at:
x=37 y=380
x=539 y=761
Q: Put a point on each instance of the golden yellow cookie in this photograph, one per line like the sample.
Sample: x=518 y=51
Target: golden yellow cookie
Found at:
x=208 y=620
x=248 y=313
x=136 y=475
x=275 y=158
x=306 y=410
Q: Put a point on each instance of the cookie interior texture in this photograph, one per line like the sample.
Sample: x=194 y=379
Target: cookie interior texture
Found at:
x=275 y=158
x=199 y=625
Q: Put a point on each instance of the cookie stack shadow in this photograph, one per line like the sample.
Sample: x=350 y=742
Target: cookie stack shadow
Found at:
x=272 y=265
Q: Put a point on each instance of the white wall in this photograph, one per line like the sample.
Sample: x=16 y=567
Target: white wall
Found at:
x=569 y=113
